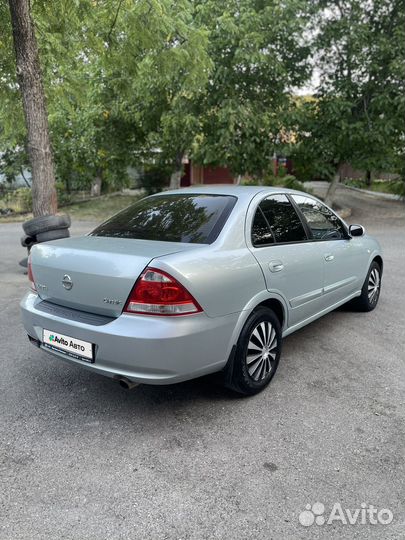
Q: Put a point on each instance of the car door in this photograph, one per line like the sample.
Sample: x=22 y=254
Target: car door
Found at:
x=292 y=265
x=344 y=258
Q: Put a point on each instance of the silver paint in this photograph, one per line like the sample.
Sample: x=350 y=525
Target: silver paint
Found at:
x=228 y=278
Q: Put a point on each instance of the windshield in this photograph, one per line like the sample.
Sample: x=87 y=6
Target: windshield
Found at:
x=190 y=218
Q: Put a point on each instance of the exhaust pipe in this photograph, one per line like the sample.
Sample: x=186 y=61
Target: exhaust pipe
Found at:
x=127 y=383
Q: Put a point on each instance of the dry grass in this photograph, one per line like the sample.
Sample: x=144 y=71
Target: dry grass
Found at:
x=95 y=210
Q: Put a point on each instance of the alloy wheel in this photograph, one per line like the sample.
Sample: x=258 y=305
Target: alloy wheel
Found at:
x=261 y=351
x=374 y=282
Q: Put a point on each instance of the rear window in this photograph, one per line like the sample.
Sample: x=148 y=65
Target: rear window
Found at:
x=189 y=218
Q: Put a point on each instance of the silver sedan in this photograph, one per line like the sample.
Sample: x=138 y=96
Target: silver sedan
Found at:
x=196 y=281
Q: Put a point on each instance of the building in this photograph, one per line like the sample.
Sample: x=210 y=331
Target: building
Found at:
x=202 y=174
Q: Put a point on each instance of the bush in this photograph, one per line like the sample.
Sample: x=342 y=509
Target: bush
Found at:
x=64 y=197
x=18 y=200
x=291 y=182
x=270 y=180
x=154 y=178
x=288 y=181
x=355 y=182
x=398 y=188
x=282 y=171
x=266 y=180
x=249 y=182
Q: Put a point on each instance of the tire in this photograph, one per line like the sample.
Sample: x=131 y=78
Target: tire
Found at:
x=250 y=376
x=27 y=241
x=52 y=235
x=45 y=223
x=370 y=292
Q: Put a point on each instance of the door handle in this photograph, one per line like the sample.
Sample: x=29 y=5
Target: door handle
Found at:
x=329 y=257
x=276 y=266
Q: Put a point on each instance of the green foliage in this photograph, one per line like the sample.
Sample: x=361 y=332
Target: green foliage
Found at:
x=157 y=68
x=358 y=115
x=18 y=200
x=13 y=163
x=396 y=187
x=258 y=55
x=64 y=198
x=399 y=188
x=101 y=208
x=12 y=127
x=119 y=82
x=356 y=183
x=291 y=182
x=154 y=178
x=288 y=181
x=213 y=80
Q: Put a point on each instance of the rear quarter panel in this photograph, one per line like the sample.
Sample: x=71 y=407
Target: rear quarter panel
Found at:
x=222 y=281
x=224 y=276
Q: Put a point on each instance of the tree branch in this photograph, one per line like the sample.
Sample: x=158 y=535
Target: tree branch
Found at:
x=114 y=22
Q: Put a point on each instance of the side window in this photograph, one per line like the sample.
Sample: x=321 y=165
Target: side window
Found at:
x=261 y=233
x=322 y=222
x=276 y=221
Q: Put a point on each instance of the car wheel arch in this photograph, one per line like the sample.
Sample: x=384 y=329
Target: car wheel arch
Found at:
x=277 y=307
x=275 y=302
x=378 y=259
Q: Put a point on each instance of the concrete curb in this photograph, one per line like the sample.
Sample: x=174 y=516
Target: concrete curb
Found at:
x=374 y=194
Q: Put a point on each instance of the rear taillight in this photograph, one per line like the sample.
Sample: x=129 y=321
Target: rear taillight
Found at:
x=158 y=293
x=31 y=276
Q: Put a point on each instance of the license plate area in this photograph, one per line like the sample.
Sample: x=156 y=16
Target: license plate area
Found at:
x=67 y=345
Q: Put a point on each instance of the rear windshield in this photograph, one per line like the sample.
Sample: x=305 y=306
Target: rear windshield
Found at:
x=190 y=218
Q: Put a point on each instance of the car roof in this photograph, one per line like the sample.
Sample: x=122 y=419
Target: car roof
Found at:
x=231 y=189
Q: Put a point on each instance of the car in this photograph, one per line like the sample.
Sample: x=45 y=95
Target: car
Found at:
x=199 y=280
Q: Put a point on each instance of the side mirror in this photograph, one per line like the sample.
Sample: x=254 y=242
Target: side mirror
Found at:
x=356 y=230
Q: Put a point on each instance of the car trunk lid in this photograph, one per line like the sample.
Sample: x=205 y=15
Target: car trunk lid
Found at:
x=93 y=273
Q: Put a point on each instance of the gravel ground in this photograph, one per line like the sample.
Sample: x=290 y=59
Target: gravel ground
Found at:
x=82 y=458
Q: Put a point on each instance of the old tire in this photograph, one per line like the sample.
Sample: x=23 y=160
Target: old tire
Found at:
x=52 y=235
x=27 y=241
x=257 y=353
x=45 y=223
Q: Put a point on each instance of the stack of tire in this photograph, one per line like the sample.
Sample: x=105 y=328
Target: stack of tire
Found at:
x=44 y=229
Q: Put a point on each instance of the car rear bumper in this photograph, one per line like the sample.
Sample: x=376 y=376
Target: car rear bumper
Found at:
x=144 y=349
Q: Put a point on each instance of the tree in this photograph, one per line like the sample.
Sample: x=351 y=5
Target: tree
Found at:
x=358 y=116
x=158 y=66
x=152 y=81
x=156 y=81
x=33 y=98
x=90 y=137
x=258 y=58
x=120 y=85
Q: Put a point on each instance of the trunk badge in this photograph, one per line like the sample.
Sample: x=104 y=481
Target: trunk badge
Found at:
x=67 y=282
x=112 y=301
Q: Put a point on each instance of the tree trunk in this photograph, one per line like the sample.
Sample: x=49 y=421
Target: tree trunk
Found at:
x=175 y=177
x=368 y=178
x=25 y=180
x=95 y=190
x=29 y=77
x=330 y=195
